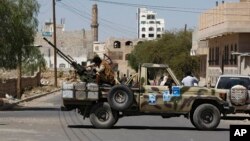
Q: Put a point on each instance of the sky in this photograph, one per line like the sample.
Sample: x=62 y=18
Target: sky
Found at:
x=117 y=18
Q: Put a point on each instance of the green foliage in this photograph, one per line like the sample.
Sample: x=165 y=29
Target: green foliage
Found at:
x=33 y=62
x=172 y=49
x=18 y=27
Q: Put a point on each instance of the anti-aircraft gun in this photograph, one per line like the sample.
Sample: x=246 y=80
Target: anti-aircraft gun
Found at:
x=85 y=76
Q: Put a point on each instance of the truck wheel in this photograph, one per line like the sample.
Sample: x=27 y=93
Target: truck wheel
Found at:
x=102 y=116
x=192 y=118
x=206 y=117
x=120 y=97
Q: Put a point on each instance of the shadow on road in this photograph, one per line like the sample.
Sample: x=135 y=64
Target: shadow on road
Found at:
x=20 y=108
x=145 y=128
x=236 y=118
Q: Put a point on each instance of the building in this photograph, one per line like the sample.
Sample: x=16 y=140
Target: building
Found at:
x=222 y=40
x=118 y=50
x=149 y=27
x=76 y=44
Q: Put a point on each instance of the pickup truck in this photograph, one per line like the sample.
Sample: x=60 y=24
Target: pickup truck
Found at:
x=104 y=104
x=238 y=91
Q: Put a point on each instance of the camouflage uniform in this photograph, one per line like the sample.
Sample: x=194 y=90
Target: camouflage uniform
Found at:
x=105 y=73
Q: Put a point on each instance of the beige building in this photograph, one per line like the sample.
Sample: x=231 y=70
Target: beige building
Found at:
x=118 y=50
x=222 y=40
x=77 y=44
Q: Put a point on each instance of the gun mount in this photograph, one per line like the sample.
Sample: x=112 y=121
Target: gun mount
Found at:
x=85 y=76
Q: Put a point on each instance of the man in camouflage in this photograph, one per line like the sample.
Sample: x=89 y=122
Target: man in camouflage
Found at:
x=104 y=72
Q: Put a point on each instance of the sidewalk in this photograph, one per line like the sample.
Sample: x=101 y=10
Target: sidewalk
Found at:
x=10 y=103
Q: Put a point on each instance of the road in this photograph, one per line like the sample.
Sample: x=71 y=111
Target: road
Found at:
x=42 y=120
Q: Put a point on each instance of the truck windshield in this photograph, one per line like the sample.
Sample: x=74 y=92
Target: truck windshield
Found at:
x=229 y=82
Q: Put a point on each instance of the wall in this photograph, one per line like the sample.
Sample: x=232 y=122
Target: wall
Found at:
x=9 y=86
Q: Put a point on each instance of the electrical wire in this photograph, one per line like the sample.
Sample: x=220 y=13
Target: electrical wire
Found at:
x=176 y=9
x=104 y=22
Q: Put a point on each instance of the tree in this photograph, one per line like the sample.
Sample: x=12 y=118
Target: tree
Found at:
x=18 y=27
x=172 y=49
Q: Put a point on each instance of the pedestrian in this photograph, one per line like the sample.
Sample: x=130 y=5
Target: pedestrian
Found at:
x=189 y=80
x=124 y=79
x=104 y=72
x=131 y=83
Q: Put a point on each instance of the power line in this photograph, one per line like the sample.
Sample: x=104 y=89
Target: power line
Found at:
x=120 y=29
x=176 y=9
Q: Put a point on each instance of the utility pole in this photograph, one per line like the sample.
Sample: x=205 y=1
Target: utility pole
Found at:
x=54 y=27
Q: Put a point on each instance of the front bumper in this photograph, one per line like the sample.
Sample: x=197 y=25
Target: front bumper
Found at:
x=228 y=109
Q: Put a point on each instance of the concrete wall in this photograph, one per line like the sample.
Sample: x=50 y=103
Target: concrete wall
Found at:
x=9 y=86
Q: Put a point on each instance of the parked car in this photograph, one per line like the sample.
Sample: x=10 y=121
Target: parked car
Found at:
x=238 y=91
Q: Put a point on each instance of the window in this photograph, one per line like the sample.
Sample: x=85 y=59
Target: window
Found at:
x=151 y=22
x=62 y=65
x=150 y=16
x=143 y=29
x=214 y=56
x=151 y=29
x=129 y=43
x=127 y=56
x=143 y=22
x=158 y=29
x=235 y=59
x=96 y=48
x=158 y=22
x=226 y=55
x=229 y=82
x=158 y=35
x=117 y=44
x=217 y=56
x=231 y=59
x=151 y=35
x=143 y=35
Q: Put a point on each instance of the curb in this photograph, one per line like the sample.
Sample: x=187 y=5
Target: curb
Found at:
x=9 y=106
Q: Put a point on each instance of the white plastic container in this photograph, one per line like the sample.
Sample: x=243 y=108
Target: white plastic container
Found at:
x=92 y=87
x=67 y=94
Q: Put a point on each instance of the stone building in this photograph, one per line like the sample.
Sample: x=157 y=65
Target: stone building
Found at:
x=118 y=50
x=222 y=40
x=77 y=44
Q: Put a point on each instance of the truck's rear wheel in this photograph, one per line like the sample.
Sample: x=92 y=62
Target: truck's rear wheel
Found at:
x=206 y=117
x=102 y=116
x=120 y=97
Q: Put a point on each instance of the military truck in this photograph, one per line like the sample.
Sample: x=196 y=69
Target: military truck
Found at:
x=104 y=104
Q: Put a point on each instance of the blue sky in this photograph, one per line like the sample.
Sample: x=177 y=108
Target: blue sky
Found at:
x=117 y=18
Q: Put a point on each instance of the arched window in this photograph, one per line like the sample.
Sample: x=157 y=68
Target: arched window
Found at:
x=151 y=29
x=129 y=43
x=143 y=35
x=143 y=29
x=117 y=44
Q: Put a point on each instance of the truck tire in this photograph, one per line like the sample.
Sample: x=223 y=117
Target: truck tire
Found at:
x=120 y=97
x=102 y=116
x=206 y=117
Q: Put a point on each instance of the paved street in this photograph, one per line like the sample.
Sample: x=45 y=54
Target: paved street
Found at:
x=42 y=120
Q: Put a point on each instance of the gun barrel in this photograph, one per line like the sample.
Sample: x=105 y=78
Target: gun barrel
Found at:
x=59 y=52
